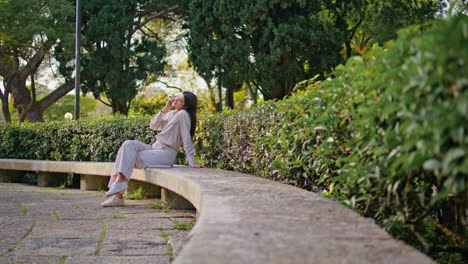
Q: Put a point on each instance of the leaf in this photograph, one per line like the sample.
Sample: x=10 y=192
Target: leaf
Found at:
x=452 y=155
x=431 y=164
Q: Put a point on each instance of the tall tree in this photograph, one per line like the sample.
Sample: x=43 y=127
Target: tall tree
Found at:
x=273 y=44
x=364 y=22
x=266 y=43
x=29 y=31
x=118 y=56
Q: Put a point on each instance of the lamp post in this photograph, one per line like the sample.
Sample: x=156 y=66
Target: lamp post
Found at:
x=76 y=177
x=77 y=59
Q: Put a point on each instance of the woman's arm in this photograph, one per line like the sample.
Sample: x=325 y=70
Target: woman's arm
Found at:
x=189 y=149
x=159 y=121
x=186 y=138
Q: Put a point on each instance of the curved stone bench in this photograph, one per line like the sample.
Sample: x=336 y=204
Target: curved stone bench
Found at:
x=247 y=219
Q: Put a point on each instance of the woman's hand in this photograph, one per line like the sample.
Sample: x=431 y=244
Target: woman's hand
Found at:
x=197 y=166
x=168 y=105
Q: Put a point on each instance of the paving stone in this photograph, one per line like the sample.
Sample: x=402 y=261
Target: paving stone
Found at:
x=56 y=247
x=177 y=239
x=17 y=228
x=136 y=238
x=131 y=234
x=67 y=229
x=139 y=223
x=133 y=248
x=31 y=259
x=155 y=259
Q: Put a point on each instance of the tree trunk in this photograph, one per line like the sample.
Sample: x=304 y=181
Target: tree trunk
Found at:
x=219 y=105
x=118 y=107
x=4 y=97
x=5 y=109
x=253 y=92
x=20 y=93
x=22 y=98
x=278 y=91
x=230 y=98
x=35 y=113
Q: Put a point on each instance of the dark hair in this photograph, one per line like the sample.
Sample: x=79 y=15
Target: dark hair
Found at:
x=191 y=108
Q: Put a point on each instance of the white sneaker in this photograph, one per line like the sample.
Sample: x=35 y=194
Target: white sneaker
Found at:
x=113 y=201
x=117 y=187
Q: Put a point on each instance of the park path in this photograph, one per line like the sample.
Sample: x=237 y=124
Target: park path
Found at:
x=50 y=225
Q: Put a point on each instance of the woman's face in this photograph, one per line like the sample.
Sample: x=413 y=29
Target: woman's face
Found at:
x=179 y=102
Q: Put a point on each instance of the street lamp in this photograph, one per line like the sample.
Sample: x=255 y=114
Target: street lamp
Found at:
x=77 y=59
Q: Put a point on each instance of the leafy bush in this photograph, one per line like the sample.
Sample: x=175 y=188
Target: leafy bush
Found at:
x=83 y=140
x=387 y=135
x=147 y=105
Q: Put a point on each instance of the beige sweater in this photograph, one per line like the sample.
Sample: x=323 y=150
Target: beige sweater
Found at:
x=174 y=127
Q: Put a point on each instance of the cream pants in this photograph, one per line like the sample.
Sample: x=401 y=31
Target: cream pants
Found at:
x=135 y=154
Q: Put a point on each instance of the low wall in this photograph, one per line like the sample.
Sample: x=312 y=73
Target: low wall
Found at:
x=247 y=219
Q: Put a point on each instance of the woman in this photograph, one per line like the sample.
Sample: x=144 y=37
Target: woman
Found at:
x=177 y=129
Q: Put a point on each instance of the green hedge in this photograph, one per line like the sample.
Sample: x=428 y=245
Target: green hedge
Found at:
x=387 y=135
x=84 y=140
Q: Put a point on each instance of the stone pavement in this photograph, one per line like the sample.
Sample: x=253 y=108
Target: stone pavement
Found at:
x=50 y=225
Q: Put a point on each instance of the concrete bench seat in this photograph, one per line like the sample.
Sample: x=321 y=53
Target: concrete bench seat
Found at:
x=247 y=219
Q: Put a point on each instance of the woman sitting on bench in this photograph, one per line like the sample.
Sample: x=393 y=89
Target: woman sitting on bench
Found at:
x=176 y=127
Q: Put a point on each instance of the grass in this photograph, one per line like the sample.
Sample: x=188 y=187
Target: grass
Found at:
x=56 y=190
x=24 y=208
x=63 y=260
x=182 y=225
x=138 y=194
x=101 y=238
x=170 y=251
x=160 y=207
x=62 y=186
x=20 y=240
x=119 y=215
x=56 y=214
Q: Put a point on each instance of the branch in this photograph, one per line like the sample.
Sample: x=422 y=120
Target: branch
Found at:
x=33 y=99
x=168 y=86
x=454 y=237
x=154 y=16
x=56 y=95
x=5 y=64
x=34 y=63
x=100 y=100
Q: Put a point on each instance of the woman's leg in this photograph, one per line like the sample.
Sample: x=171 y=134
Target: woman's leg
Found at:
x=123 y=167
x=126 y=159
x=155 y=157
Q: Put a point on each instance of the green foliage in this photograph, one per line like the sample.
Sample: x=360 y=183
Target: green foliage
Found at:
x=66 y=104
x=274 y=44
x=83 y=140
x=264 y=42
x=30 y=33
x=387 y=136
x=30 y=23
x=160 y=206
x=182 y=225
x=138 y=194
x=115 y=61
x=148 y=105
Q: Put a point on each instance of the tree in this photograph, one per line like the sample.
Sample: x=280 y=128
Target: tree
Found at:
x=118 y=56
x=367 y=22
x=272 y=45
x=29 y=32
x=267 y=43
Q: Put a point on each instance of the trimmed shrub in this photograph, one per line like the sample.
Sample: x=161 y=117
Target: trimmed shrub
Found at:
x=387 y=136
x=83 y=140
